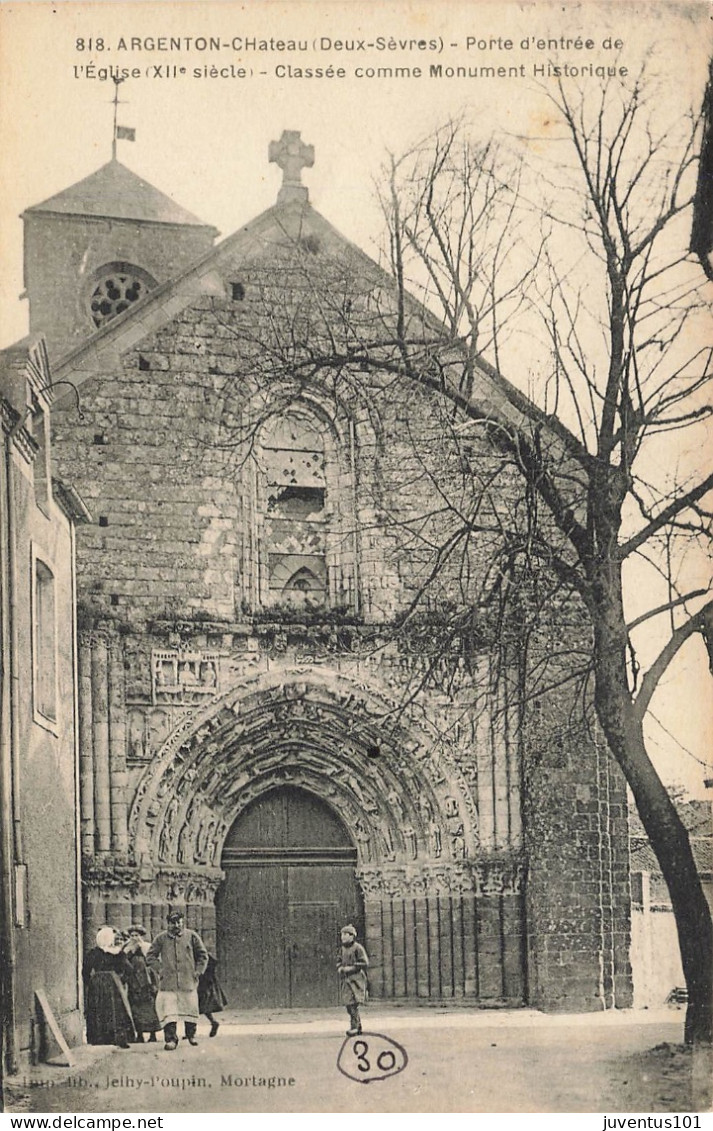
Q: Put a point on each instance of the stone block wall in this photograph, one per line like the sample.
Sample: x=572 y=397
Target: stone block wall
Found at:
x=170 y=484
x=576 y=843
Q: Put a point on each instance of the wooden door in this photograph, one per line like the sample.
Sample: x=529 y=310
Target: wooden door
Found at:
x=289 y=886
x=312 y=968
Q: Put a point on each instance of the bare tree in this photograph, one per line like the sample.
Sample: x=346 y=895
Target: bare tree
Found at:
x=610 y=290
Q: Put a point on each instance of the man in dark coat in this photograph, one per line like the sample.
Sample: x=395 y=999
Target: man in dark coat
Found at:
x=180 y=958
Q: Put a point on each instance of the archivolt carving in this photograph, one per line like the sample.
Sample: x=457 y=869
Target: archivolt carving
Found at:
x=312 y=728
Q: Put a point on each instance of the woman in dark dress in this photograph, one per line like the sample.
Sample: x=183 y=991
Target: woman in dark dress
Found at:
x=107 y=1010
x=211 y=998
x=141 y=984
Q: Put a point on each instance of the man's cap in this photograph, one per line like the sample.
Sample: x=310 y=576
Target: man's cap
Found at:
x=350 y=928
x=174 y=916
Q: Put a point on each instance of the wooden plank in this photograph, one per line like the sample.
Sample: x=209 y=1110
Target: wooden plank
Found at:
x=53 y=1047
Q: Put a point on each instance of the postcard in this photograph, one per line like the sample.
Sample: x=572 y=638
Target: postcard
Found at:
x=355 y=388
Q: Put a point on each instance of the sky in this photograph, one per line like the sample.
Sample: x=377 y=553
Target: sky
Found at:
x=203 y=139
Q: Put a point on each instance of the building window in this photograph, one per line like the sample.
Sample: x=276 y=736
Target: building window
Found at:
x=295 y=526
x=45 y=642
x=115 y=288
x=298 y=515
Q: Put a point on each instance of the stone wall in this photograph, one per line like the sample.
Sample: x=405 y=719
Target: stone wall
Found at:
x=575 y=816
x=166 y=455
x=457 y=903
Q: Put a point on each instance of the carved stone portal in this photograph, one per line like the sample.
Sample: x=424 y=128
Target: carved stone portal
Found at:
x=314 y=729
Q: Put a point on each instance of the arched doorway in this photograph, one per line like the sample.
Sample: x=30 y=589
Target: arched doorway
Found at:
x=290 y=884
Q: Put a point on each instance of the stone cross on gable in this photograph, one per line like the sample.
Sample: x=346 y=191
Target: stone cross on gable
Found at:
x=292 y=155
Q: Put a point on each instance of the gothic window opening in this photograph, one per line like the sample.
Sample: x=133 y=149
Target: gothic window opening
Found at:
x=304 y=581
x=299 y=544
x=115 y=288
x=295 y=524
x=306 y=586
x=297 y=502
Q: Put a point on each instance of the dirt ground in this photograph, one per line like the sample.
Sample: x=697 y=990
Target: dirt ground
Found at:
x=457 y=1062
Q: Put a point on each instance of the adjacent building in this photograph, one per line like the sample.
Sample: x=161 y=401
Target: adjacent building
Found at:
x=39 y=783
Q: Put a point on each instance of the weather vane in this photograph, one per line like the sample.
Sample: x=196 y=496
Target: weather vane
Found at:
x=119 y=133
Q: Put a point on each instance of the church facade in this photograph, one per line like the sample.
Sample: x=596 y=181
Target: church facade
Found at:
x=257 y=743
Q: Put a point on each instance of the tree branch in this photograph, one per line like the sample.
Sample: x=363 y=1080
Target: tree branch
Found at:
x=702 y=622
x=664 y=517
x=665 y=608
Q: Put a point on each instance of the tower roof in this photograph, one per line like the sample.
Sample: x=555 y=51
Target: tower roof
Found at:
x=115 y=192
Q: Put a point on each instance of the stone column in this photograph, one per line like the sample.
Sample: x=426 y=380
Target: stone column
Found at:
x=100 y=730
x=501 y=790
x=484 y=758
x=209 y=926
x=86 y=748
x=95 y=915
x=117 y=750
x=159 y=912
x=514 y=755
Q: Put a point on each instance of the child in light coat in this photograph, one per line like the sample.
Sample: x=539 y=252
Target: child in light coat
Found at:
x=352 y=966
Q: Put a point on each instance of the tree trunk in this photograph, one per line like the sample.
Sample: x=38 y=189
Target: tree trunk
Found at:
x=664 y=828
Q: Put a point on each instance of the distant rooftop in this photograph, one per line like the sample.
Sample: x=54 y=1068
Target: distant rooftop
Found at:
x=697 y=817
x=113 y=191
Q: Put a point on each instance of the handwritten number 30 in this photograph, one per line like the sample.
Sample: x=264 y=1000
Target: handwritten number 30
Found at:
x=375 y=1059
x=386 y=1060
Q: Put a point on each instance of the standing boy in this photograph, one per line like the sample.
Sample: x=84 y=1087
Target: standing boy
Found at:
x=353 y=963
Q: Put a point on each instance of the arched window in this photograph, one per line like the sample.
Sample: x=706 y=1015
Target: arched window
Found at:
x=305 y=587
x=295 y=520
x=299 y=546
x=304 y=582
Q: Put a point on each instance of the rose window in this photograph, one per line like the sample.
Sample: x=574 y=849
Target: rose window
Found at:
x=118 y=288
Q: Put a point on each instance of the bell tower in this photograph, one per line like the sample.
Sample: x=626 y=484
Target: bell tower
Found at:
x=98 y=247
